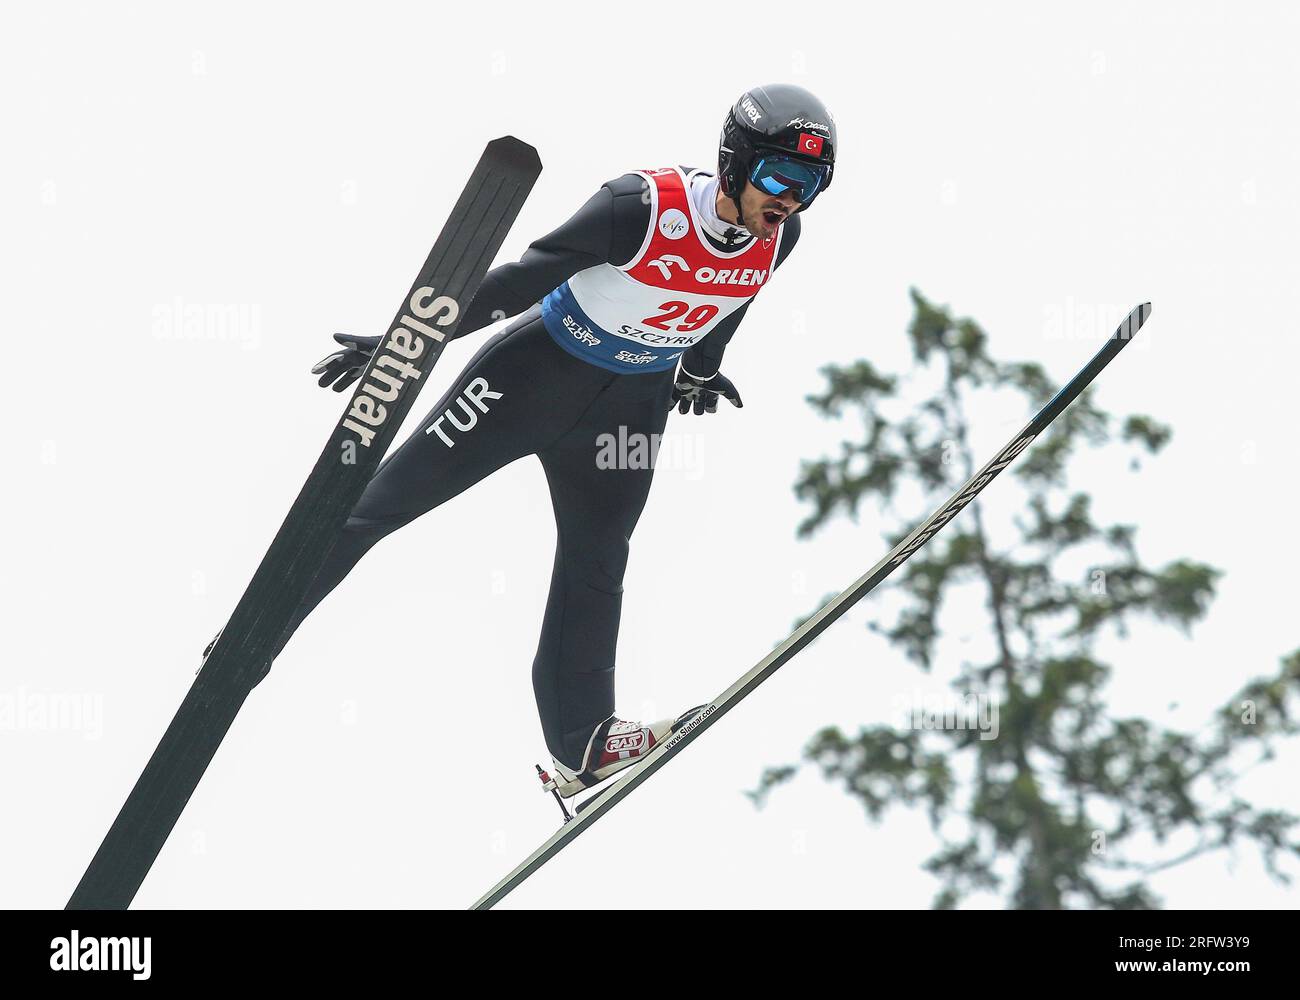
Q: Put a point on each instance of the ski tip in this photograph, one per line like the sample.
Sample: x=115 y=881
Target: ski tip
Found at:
x=508 y=147
x=1133 y=321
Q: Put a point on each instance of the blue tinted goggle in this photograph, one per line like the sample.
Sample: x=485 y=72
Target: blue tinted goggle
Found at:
x=779 y=174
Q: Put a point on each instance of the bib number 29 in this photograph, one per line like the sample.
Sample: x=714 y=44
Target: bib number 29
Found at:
x=691 y=319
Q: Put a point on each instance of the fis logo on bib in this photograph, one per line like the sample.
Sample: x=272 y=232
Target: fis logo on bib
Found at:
x=673 y=224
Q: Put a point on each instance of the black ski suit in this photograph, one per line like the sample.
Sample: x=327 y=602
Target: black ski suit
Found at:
x=521 y=394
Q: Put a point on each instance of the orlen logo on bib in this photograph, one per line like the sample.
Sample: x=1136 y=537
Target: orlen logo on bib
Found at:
x=665 y=263
x=630 y=743
x=673 y=224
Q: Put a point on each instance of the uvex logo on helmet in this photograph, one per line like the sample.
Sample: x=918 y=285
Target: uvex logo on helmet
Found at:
x=748 y=106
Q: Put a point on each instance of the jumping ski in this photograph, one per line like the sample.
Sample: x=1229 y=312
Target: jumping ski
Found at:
x=428 y=317
x=605 y=799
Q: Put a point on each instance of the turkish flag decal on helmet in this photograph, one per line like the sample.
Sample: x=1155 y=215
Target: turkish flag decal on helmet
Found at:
x=810 y=144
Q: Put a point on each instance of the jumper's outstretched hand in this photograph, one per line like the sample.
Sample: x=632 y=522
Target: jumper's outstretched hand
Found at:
x=344 y=367
x=701 y=394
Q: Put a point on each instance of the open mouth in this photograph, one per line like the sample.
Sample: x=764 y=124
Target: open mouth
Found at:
x=772 y=217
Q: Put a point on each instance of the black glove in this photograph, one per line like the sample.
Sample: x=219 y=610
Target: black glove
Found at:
x=702 y=393
x=345 y=367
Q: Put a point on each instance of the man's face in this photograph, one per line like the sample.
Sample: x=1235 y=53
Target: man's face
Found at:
x=761 y=213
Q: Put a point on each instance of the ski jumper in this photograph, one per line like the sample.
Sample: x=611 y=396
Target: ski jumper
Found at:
x=636 y=281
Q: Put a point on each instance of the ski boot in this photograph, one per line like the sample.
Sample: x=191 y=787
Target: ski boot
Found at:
x=614 y=746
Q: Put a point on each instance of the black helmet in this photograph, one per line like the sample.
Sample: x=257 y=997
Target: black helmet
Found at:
x=780 y=118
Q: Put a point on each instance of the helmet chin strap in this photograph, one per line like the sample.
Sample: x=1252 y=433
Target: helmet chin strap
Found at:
x=739 y=229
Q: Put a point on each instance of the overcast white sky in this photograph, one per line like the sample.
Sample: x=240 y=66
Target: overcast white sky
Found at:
x=1026 y=164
